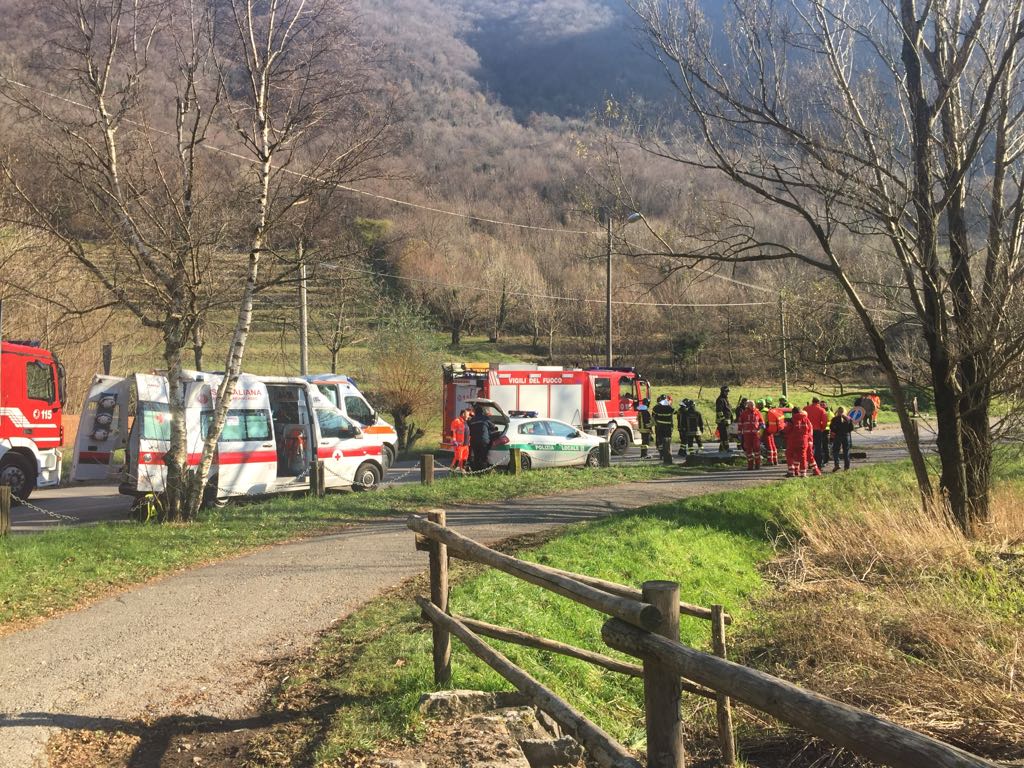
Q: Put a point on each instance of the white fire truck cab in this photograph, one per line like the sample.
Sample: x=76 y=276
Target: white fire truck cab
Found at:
x=276 y=427
x=31 y=405
x=600 y=401
x=343 y=393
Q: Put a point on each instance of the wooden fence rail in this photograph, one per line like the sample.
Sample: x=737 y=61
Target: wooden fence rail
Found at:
x=861 y=732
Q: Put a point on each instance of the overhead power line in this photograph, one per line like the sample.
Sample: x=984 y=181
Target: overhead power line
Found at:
x=528 y=294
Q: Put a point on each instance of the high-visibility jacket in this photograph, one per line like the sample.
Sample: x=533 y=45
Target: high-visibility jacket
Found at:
x=663 y=417
x=877 y=402
x=643 y=421
x=690 y=422
x=750 y=421
x=774 y=420
x=818 y=416
x=458 y=430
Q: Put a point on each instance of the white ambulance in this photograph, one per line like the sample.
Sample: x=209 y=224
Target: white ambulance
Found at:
x=341 y=390
x=275 y=428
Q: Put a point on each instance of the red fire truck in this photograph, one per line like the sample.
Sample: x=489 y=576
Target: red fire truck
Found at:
x=600 y=401
x=31 y=400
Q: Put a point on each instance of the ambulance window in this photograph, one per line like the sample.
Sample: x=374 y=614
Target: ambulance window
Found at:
x=359 y=409
x=239 y=426
x=334 y=425
x=156 y=421
x=329 y=391
x=39 y=378
x=602 y=389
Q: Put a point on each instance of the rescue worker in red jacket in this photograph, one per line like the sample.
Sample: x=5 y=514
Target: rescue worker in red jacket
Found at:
x=774 y=421
x=819 y=423
x=750 y=426
x=799 y=445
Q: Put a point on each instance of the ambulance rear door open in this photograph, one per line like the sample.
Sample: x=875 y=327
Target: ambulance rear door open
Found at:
x=150 y=436
x=102 y=429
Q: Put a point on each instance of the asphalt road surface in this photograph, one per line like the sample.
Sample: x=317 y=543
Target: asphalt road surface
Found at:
x=84 y=504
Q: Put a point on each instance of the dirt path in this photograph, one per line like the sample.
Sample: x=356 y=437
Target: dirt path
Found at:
x=195 y=643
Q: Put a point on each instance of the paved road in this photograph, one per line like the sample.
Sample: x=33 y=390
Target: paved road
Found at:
x=84 y=504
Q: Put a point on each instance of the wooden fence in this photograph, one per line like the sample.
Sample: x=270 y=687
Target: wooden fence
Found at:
x=644 y=624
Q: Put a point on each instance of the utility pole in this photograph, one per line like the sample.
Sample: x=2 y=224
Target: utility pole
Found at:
x=608 y=293
x=303 y=314
x=782 y=334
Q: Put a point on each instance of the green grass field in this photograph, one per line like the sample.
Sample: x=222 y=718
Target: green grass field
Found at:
x=369 y=672
x=52 y=571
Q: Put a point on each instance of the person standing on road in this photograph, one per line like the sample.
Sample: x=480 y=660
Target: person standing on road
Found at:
x=750 y=425
x=691 y=427
x=799 y=439
x=460 y=441
x=663 y=415
x=876 y=401
x=819 y=425
x=841 y=432
x=644 y=426
x=723 y=418
x=481 y=432
x=774 y=421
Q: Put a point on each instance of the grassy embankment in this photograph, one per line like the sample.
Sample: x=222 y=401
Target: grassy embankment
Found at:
x=834 y=583
x=44 y=573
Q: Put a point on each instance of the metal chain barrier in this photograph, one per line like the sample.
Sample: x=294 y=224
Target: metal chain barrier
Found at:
x=48 y=513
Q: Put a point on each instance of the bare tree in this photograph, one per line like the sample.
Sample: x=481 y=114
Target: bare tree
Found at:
x=885 y=137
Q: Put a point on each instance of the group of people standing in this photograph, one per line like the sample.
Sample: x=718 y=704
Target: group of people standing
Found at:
x=813 y=434
x=472 y=432
x=662 y=419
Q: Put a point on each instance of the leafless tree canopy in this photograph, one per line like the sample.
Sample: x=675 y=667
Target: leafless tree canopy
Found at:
x=887 y=136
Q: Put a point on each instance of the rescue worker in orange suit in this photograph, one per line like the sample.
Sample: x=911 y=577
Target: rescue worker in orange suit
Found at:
x=691 y=425
x=750 y=425
x=723 y=418
x=774 y=421
x=644 y=424
x=663 y=416
x=819 y=425
x=460 y=440
x=799 y=445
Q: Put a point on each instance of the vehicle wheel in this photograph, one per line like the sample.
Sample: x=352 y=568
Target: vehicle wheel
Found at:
x=620 y=441
x=525 y=462
x=388 y=456
x=594 y=458
x=367 y=477
x=17 y=472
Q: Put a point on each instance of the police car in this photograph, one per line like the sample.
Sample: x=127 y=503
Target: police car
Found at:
x=543 y=442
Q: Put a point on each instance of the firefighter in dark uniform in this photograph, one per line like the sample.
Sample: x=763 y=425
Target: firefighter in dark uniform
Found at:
x=663 y=416
x=644 y=424
x=691 y=426
x=723 y=417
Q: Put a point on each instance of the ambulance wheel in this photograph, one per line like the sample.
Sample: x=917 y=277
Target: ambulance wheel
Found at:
x=620 y=441
x=388 y=456
x=19 y=474
x=367 y=477
x=594 y=458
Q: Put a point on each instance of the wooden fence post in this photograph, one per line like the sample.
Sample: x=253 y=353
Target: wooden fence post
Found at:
x=515 y=461
x=724 y=707
x=316 y=478
x=662 y=686
x=5 y=510
x=604 y=454
x=439 y=597
x=666 y=451
x=427 y=469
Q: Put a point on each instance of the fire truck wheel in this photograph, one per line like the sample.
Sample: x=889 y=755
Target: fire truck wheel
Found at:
x=367 y=477
x=388 y=456
x=18 y=473
x=594 y=458
x=620 y=441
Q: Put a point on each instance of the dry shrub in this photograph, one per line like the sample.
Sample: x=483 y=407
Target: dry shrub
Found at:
x=888 y=610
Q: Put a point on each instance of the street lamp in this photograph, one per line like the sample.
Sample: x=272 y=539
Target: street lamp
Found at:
x=633 y=217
